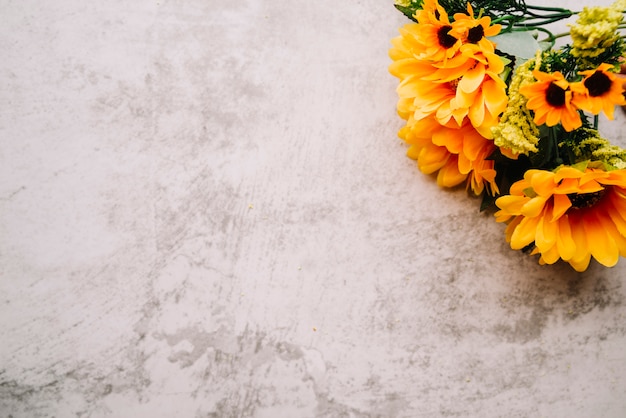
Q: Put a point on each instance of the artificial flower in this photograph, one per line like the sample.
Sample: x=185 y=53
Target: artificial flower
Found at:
x=589 y=145
x=572 y=213
x=502 y=122
x=517 y=132
x=475 y=31
x=551 y=100
x=456 y=154
x=600 y=90
x=436 y=33
x=465 y=86
x=595 y=32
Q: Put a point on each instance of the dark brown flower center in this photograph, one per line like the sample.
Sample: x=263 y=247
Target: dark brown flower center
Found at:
x=475 y=34
x=555 y=96
x=445 y=39
x=585 y=200
x=598 y=84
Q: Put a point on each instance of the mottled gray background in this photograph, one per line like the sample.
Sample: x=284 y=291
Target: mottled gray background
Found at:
x=206 y=212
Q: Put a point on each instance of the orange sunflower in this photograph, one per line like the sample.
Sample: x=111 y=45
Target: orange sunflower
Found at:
x=551 y=100
x=600 y=90
x=475 y=31
x=478 y=93
x=403 y=52
x=485 y=98
x=433 y=99
x=436 y=33
x=455 y=153
x=473 y=88
x=571 y=214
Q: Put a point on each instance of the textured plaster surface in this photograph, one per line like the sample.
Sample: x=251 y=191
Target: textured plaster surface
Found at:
x=206 y=212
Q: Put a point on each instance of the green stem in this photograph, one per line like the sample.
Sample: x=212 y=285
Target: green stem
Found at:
x=550 y=37
x=541 y=22
x=508 y=18
x=549 y=9
x=561 y=35
x=544 y=16
x=554 y=138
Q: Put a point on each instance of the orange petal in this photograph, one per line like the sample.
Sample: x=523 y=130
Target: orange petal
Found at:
x=561 y=205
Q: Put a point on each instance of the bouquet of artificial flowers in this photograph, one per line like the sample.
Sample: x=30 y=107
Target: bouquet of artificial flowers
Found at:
x=489 y=101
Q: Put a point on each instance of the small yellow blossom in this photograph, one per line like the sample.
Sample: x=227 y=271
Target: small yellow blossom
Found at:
x=594 y=32
x=591 y=146
x=619 y=5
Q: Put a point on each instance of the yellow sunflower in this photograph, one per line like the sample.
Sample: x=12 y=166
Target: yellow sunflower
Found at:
x=600 y=90
x=551 y=100
x=571 y=214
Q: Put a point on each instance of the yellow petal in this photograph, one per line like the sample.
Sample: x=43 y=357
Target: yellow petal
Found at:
x=449 y=175
x=601 y=245
x=525 y=233
x=413 y=152
x=542 y=182
x=550 y=256
x=580 y=264
x=512 y=204
x=580 y=238
x=472 y=79
x=511 y=227
x=567 y=172
x=449 y=138
x=495 y=97
x=545 y=238
x=564 y=241
x=566 y=186
x=534 y=206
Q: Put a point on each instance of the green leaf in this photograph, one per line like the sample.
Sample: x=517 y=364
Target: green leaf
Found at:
x=488 y=202
x=530 y=192
x=519 y=44
x=407 y=11
x=581 y=166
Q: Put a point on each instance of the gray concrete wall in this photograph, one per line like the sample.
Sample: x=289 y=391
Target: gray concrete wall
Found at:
x=206 y=212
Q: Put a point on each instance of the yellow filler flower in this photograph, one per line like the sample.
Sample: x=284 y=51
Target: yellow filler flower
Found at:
x=571 y=214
